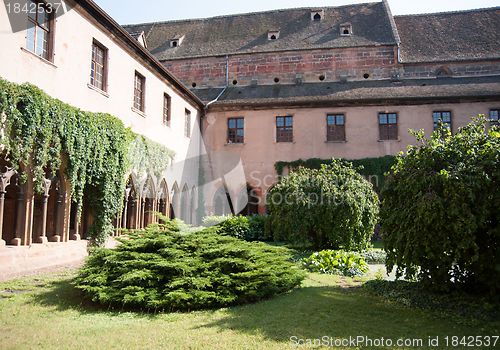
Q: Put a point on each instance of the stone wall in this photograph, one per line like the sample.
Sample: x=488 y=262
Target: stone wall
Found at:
x=266 y=68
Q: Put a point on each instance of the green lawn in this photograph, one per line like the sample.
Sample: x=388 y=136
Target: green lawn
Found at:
x=47 y=313
x=378 y=244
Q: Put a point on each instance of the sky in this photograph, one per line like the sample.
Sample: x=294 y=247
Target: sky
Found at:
x=128 y=11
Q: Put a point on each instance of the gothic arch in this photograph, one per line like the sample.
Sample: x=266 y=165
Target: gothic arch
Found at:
x=130 y=205
x=222 y=202
x=175 y=210
x=12 y=193
x=164 y=199
x=148 y=198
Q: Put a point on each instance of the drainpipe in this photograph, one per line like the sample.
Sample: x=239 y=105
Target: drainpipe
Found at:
x=225 y=88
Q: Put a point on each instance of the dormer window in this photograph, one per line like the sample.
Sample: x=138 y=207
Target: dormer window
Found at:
x=140 y=37
x=176 y=41
x=346 y=29
x=317 y=15
x=273 y=34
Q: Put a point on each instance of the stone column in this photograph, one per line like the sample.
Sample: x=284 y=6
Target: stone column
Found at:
x=2 y=202
x=155 y=210
x=17 y=241
x=59 y=220
x=76 y=236
x=125 y=208
x=133 y=213
x=141 y=216
x=45 y=199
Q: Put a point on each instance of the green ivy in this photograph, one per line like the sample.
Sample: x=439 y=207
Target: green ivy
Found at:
x=149 y=157
x=368 y=167
x=40 y=131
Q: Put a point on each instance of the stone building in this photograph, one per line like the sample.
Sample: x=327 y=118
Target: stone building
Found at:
x=328 y=82
x=84 y=58
x=250 y=89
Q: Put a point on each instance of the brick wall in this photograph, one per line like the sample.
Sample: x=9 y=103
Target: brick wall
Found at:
x=378 y=62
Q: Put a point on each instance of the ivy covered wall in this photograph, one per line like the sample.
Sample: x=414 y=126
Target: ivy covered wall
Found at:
x=38 y=131
x=371 y=168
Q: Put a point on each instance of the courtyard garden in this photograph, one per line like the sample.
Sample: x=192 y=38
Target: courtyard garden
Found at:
x=307 y=275
x=47 y=312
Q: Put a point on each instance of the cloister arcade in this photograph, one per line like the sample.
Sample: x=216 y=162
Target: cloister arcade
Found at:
x=37 y=217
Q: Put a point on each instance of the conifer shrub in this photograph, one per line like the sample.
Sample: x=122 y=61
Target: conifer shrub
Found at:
x=163 y=269
x=440 y=210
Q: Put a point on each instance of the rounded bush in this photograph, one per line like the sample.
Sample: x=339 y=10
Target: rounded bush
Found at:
x=331 y=207
x=235 y=226
x=440 y=216
x=249 y=228
x=163 y=269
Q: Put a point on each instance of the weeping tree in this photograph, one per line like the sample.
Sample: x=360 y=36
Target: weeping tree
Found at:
x=330 y=207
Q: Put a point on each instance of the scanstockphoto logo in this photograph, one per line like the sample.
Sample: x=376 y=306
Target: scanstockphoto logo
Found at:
x=25 y=13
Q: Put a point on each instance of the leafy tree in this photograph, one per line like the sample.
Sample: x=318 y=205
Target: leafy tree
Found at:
x=440 y=210
x=330 y=207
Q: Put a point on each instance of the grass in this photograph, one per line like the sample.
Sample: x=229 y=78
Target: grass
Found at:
x=378 y=244
x=46 y=312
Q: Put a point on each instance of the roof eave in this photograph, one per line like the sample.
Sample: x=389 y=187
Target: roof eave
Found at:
x=303 y=103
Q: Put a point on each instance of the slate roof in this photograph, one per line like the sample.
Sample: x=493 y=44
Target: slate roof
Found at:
x=450 y=36
x=247 y=33
x=376 y=92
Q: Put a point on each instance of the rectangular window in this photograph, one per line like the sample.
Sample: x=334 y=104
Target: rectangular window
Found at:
x=139 y=92
x=187 y=124
x=441 y=117
x=388 y=126
x=39 y=34
x=335 y=127
x=494 y=117
x=98 y=67
x=235 y=130
x=284 y=129
x=166 y=109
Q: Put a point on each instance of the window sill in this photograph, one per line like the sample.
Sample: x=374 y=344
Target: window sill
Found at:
x=138 y=111
x=235 y=144
x=342 y=141
x=46 y=61
x=395 y=140
x=284 y=142
x=96 y=89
